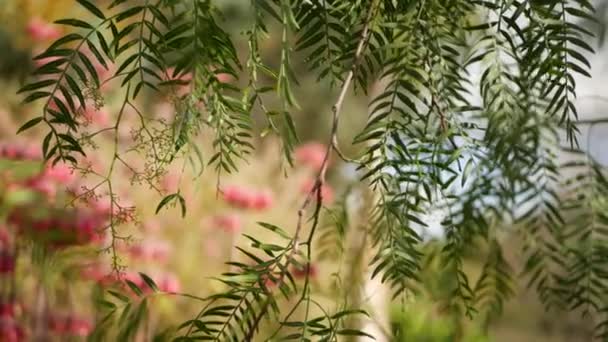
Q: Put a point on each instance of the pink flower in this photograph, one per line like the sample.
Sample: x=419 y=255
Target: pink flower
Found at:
x=301 y=272
x=97 y=117
x=263 y=200
x=7 y=310
x=7 y=263
x=230 y=223
x=5 y=238
x=151 y=250
x=40 y=30
x=43 y=186
x=224 y=77
x=60 y=173
x=211 y=246
x=311 y=155
x=10 y=331
x=327 y=193
x=170 y=182
x=239 y=197
x=151 y=226
x=20 y=152
x=94 y=272
x=32 y=152
x=169 y=283
x=69 y=325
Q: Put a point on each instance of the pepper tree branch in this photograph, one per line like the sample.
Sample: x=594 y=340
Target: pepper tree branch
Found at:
x=321 y=176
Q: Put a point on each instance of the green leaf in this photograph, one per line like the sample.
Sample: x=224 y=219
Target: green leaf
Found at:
x=92 y=8
x=119 y=296
x=37 y=85
x=149 y=282
x=75 y=23
x=33 y=122
x=134 y=288
x=182 y=204
x=165 y=201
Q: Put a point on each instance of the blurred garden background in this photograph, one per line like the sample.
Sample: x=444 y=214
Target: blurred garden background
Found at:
x=57 y=293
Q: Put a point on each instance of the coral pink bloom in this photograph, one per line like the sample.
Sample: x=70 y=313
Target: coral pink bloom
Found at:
x=20 y=151
x=327 y=193
x=32 y=152
x=300 y=272
x=230 y=223
x=10 y=331
x=151 y=250
x=79 y=327
x=97 y=117
x=44 y=186
x=69 y=325
x=311 y=155
x=169 y=283
x=5 y=238
x=7 y=310
x=151 y=226
x=263 y=200
x=224 y=77
x=238 y=196
x=170 y=182
x=94 y=272
x=60 y=173
x=39 y=30
x=7 y=263
x=211 y=248
x=10 y=152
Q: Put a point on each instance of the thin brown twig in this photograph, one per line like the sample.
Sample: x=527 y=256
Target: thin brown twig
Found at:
x=320 y=179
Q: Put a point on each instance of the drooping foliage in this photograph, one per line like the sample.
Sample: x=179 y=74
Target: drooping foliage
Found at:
x=470 y=101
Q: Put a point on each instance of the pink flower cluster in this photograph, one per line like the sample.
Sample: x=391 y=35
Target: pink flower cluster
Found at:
x=301 y=272
x=311 y=155
x=59 y=227
x=327 y=193
x=10 y=330
x=42 y=31
x=246 y=198
x=154 y=250
x=20 y=152
x=7 y=262
x=69 y=325
x=230 y=223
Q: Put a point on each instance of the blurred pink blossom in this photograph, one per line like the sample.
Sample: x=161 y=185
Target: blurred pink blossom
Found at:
x=311 y=155
x=230 y=223
x=7 y=262
x=40 y=30
x=169 y=282
x=263 y=200
x=20 y=151
x=99 y=117
x=224 y=77
x=170 y=182
x=327 y=193
x=151 y=226
x=60 y=173
x=246 y=198
x=239 y=197
x=69 y=325
x=301 y=272
x=151 y=250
